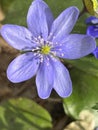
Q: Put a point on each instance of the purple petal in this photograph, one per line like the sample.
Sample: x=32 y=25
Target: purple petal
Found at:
x=92 y=31
x=17 y=36
x=95 y=52
x=39 y=18
x=22 y=68
x=91 y=19
x=64 y=23
x=44 y=79
x=62 y=82
x=75 y=46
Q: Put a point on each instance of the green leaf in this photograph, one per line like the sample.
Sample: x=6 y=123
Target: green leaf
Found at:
x=95 y=106
x=88 y=64
x=23 y=114
x=17 y=11
x=5 y=4
x=84 y=95
x=57 y=6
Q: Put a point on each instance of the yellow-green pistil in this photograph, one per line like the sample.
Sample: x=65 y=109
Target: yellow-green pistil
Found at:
x=45 y=49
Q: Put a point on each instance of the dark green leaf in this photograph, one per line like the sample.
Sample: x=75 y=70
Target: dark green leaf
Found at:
x=88 y=64
x=84 y=95
x=95 y=106
x=23 y=114
x=17 y=11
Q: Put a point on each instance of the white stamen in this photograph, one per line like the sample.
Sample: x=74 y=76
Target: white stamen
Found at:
x=60 y=49
x=62 y=54
x=35 y=54
x=39 y=37
x=60 y=44
x=54 y=53
x=41 y=41
x=41 y=58
x=35 y=38
x=56 y=43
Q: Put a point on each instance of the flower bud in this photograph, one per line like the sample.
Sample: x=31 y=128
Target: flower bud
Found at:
x=91 y=7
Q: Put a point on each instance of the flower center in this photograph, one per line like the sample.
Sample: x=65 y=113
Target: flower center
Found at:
x=45 y=49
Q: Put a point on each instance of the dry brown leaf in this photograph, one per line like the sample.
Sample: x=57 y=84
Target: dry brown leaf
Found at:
x=2 y=16
x=6 y=48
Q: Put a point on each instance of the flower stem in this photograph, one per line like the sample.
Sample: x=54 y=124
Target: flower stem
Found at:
x=22 y=51
x=83 y=11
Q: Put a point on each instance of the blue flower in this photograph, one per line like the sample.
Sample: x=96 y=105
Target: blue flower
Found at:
x=95 y=52
x=92 y=30
x=43 y=43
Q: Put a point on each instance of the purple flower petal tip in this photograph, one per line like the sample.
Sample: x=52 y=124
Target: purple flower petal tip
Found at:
x=20 y=69
x=95 y=53
x=91 y=19
x=92 y=31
